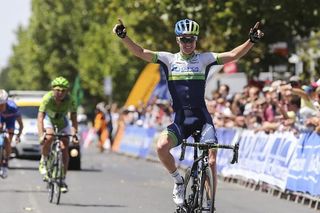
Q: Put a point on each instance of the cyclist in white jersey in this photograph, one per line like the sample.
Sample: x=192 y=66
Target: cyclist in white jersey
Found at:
x=186 y=73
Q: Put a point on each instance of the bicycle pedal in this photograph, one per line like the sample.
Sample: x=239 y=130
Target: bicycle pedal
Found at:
x=180 y=210
x=45 y=179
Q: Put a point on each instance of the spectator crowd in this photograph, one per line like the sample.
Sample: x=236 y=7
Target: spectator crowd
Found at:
x=271 y=106
x=274 y=106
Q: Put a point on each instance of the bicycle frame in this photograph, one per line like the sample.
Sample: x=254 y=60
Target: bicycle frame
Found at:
x=200 y=166
x=55 y=166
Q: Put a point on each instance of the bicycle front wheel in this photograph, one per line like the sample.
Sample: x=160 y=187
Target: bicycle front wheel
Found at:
x=190 y=192
x=58 y=177
x=206 y=195
x=1 y=155
x=50 y=188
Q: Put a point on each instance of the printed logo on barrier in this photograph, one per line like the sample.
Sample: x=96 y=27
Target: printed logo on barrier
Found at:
x=137 y=141
x=304 y=170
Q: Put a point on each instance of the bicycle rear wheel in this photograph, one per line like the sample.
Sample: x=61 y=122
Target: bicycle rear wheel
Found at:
x=206 y=195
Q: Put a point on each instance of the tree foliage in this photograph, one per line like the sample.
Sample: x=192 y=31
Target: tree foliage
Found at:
x=74 y=37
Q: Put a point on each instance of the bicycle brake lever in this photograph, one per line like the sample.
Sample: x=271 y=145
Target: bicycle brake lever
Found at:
x=235 y=154
x=183 y=150
x=75 y=139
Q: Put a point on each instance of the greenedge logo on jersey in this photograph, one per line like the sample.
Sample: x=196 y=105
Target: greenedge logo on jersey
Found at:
x=186 y=76
x=180 y=69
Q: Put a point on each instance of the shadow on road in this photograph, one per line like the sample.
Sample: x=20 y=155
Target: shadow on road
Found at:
x=88 y=170
x=21 y=191
x=93 y=205
x=23 y=168
x=29 y=168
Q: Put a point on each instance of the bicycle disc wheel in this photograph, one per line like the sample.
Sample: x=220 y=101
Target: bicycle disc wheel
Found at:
x=190 y=193
x=206 y=198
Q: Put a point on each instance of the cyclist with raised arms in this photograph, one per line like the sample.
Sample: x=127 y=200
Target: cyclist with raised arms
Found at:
x=53 y=111
x=186 y=73
x=9 y=114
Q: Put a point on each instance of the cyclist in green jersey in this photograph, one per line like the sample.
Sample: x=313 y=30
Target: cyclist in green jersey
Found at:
x=186 y=73
x=53 y=111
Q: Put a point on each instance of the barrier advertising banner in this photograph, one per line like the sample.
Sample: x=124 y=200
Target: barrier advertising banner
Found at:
x=304 y=173
x=224 y=156
x=264 y=157
x=137 y=140
x=281 y=159
x=276 y=164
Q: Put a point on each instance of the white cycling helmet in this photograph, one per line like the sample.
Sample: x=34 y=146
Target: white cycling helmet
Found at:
x=101 y=107
x=3 y=96
x=186 y=27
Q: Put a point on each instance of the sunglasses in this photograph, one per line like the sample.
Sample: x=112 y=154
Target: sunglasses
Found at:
x=59 y=90
x=187 y=39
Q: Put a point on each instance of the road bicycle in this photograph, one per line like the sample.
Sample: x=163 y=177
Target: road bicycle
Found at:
x=198 y=180
x=2 y=151
x=55 y=168
x=3 y=136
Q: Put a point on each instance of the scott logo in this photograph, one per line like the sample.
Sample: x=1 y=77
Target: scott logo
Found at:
x=184 y=69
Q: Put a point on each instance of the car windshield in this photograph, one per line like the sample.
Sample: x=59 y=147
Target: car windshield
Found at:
x=29 y=111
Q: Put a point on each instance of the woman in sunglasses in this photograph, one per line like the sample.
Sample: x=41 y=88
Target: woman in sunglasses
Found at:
x=186 y=73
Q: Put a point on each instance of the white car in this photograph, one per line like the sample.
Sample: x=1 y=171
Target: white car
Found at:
x=29 y=146
x=28 y=103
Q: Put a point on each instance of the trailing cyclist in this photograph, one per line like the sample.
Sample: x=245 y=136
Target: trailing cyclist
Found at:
x=186 y=73
x=53 y=111
x=9 y=114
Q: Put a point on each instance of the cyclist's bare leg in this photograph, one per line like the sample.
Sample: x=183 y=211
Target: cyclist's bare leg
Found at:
x=47 y=142
x=65 y=154
x=164 y=145
x=8 y=143
x=213 y=166
x=7 y=148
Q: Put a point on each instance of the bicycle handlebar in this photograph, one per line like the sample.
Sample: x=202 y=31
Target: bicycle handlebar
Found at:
x=62 y=134
x=9 y=133
x=207 y=146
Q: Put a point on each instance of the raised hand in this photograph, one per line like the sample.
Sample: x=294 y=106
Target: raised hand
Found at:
x=255 y=34
x=120 y=29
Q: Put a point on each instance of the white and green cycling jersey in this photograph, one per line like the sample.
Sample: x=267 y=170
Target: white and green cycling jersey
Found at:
x=186 y=77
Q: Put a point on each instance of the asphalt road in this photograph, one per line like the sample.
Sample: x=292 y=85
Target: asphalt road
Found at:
x=113 y=183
